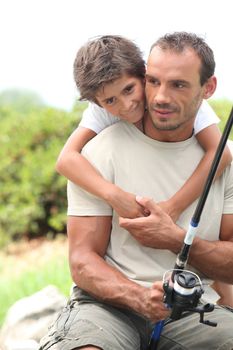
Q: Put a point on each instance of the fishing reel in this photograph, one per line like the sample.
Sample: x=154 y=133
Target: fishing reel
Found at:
x=183 y=295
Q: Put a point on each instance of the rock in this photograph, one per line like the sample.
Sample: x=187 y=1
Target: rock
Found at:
x=28 y=319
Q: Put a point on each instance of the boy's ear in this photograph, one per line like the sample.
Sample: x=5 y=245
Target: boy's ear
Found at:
x=210 y=87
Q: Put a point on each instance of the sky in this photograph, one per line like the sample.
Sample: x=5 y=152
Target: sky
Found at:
x=39 y=38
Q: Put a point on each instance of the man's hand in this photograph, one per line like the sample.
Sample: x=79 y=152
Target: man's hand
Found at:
x=125 y=204
x=157 y=230
x=152 y=303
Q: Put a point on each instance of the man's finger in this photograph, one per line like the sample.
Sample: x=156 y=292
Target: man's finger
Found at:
x=146 y=202
x=125 y=222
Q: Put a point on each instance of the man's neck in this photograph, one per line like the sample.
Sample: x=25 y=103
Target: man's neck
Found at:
x=182 y=133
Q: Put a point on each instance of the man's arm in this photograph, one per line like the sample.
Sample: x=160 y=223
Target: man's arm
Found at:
x=213 y=258
x=88 y=241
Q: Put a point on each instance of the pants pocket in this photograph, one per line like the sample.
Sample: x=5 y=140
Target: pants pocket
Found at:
x=59 y=329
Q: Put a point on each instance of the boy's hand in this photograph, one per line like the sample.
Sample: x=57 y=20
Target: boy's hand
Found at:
x=170 y=209
x=157 y=230
x=124 y=203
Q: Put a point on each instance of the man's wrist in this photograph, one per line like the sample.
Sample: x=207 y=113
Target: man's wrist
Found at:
x=178 y=239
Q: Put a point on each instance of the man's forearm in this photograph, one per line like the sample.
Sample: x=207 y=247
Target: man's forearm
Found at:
x=105 y=283
x=87 y=248
x=214 y=259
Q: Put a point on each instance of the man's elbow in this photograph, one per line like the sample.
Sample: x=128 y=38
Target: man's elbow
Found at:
x=78 y=267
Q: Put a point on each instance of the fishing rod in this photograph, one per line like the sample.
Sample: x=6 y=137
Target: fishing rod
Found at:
x=186 y=289
x=182 y=257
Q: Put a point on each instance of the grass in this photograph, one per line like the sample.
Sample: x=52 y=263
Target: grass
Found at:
x=28 y=272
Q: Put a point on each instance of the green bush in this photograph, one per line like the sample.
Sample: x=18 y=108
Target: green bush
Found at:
x=222 y=108
x=33 y=195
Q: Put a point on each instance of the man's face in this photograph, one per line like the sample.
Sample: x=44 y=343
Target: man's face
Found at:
x=124 y=97
x=173 y=90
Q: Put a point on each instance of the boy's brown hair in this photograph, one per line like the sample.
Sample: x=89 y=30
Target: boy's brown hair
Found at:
x=104 y=59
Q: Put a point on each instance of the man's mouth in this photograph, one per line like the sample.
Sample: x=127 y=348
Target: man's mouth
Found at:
x=163 y=113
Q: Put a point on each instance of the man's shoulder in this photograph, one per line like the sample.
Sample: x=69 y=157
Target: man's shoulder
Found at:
x=112 y=132
x=109 y=138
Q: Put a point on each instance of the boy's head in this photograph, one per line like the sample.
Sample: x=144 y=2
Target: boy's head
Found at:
x=103 y=60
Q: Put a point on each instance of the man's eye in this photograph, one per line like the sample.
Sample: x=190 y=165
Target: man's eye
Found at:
x=152 y=81
x=179 y=85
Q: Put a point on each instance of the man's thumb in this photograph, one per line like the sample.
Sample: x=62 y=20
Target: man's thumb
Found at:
x=145 y=202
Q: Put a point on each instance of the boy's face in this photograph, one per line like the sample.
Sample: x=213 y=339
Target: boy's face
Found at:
x=124 y=98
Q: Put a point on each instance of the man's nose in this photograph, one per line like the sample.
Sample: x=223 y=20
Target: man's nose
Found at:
x=162 y=95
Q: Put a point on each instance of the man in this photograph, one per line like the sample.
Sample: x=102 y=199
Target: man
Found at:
x=118 y=270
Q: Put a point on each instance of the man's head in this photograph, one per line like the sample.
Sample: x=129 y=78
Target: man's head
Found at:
x=180 y=74
x=104 y=59
x=181 y=41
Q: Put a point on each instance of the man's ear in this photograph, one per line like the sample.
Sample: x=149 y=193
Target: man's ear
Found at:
x=210 y=87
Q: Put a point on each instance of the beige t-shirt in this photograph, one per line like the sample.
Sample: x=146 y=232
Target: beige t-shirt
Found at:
x=146 y=167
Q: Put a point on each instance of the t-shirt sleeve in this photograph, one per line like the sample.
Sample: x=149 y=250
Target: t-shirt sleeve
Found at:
x=97 y=118
x=82 y=203
x=205 y=117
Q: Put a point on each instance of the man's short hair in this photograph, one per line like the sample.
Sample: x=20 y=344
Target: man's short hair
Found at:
x=104 y=59
x=180 y=41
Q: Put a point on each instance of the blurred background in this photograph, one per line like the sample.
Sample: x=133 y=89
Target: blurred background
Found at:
x=39 y=39
x=39 y=109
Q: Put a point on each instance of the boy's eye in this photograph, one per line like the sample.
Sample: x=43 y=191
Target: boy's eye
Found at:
x=109 y=101
x=129 y=88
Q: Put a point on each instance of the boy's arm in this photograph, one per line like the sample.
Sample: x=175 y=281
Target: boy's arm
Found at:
x=77 y=168
x=209 y=139
x=66 y=163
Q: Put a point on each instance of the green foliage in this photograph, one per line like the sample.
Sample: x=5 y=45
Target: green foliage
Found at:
x=33 y=195
x=222 y=108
